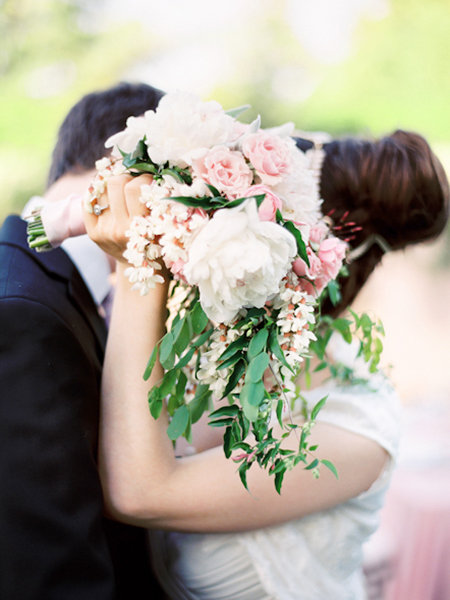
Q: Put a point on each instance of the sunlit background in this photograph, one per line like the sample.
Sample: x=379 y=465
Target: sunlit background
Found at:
x=344 y=66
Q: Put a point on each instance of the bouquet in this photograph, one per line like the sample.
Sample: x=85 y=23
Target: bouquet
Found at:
x=234 y=213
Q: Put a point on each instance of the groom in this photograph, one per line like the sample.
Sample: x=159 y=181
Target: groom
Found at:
x=55 y=543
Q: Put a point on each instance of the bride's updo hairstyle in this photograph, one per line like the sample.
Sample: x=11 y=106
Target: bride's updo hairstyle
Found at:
x=383 y=195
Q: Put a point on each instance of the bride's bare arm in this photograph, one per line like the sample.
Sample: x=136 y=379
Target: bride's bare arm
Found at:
x=143 y=482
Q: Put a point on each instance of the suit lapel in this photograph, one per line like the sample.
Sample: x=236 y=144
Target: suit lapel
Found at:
x=58 y=264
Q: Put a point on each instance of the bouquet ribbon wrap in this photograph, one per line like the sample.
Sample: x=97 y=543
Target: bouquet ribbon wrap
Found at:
x=55 y=222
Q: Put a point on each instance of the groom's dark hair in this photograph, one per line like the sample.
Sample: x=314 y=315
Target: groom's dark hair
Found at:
x=92 y=120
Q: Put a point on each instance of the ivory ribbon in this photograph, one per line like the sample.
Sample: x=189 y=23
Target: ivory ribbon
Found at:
x=63 y=219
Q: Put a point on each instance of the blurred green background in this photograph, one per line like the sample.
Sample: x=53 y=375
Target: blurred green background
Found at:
x=354 y=66
x=344 y=66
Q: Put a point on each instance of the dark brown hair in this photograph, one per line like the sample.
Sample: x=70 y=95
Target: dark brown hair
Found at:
x=394 y=187
x=92 y=120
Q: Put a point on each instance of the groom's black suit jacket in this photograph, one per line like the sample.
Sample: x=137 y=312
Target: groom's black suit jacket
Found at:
x=54 y=542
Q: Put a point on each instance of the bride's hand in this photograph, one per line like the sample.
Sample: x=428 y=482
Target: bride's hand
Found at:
x=122 y=199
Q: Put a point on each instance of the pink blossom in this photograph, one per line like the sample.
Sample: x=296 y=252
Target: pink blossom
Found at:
x=269 y=154
x=315 y=266
x=318 y=233
x=225 y=169
x=331 y=254
x=176 y=269
x=269 y=206
x=314 y=288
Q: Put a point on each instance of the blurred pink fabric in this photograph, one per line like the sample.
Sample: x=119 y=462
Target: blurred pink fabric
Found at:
x=409 y=556
x=417 y=514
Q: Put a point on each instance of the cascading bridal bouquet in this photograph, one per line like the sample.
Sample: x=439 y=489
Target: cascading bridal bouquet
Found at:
x=234 y=215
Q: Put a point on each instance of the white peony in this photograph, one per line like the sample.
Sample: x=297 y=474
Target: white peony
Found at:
x=128 y=138
x=183 y=126
x=238 y=261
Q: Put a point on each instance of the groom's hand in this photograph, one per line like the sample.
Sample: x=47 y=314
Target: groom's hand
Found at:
x=122 y=199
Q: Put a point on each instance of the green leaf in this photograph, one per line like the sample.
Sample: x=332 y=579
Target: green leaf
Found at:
x=366 y=324
x=151 y=363
x=330 y=466
x=234 y=377
x=250 y=411
x=205 y=202
x=173 y=172
x=155 y=402
x=238 y=344
x=252 y=393
x=185 y=359
x=179 y=422
x=279 y=217
x=289 y=225
x=227 y=442
x=315 y=411
x=181 y=386
x=202 y=338
x=225 y=411
x=144 y=167
x=199 y=319
x=226 y=421
x=168 y=382
x=312 y=465
x=166 y=351
x=257 y=343
x=343 y=326
x=243 y=474
x=280 y=412
x=257 y=367
x=238 y=201
x=235 y=112
x=279 y=480
x=276 y=350
x=214 y=191
x=230 y=361
x=244 y=424
x=334 y=293
x=182 y=337
x=199 y=404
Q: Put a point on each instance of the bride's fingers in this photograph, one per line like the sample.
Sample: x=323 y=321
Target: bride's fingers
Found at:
x=133 y=193
x=107 y=228
x=115 y=193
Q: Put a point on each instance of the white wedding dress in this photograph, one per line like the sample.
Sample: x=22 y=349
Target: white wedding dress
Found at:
x=317 y=557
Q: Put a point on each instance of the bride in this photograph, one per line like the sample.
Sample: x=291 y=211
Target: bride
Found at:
x=213 y=539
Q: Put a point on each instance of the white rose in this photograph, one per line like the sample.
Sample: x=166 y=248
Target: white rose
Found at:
x=127 y=139
x=183 y=126
x=238 y=261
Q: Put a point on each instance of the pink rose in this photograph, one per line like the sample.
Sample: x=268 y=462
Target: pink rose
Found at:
x=318 y=233
x=225 y=169
x=315 y=266
x=314 y=288
x=269 y=206
x=331 y=254
x=269 y=154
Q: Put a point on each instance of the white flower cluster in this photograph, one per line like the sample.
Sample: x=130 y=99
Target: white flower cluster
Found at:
x=164 y=233
x=295 y=320
x=208 y=372
x=106 y=168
